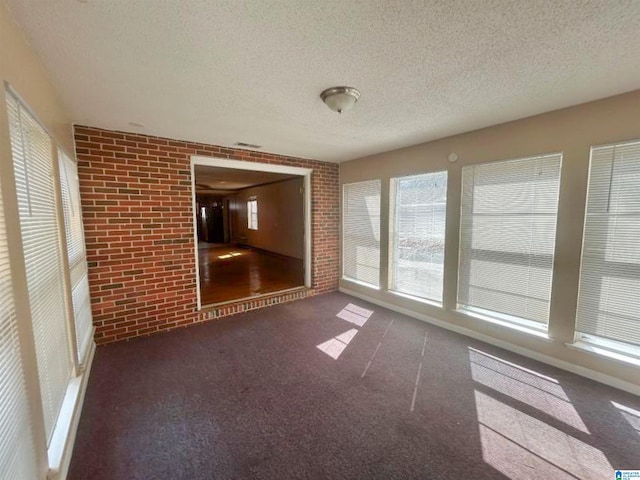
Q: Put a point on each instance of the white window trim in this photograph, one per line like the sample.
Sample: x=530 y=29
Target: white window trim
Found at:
x=56 y=458
x=360 y=282
x=612 y=349
x=260 y=167
x=510 y=321
x=515 y=323
x=80 y=351
x=250 y=225
x=414 y=298
x=391 y=242
x=342 y=240
x=603 y=347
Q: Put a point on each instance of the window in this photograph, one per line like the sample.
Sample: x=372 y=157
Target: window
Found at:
x=608 y=300
x=33 y=166
x=74 y=234
x=17 y=449
x=42 y=377
x=507 y=239
x=361 y=232
x=252 y=213
x=417 y=235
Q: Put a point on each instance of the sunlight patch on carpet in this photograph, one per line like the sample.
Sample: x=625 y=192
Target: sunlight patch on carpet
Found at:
x=525 y=385
x=337 y=344
x=630 y=415
x=521 y=446
x=355 y=314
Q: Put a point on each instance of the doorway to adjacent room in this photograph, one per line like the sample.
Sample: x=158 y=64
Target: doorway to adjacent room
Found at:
x=252 y=229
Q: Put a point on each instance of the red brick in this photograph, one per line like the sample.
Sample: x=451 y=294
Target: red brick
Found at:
x=139 y=231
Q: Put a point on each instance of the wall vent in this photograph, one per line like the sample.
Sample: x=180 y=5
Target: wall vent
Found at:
x=247 y=145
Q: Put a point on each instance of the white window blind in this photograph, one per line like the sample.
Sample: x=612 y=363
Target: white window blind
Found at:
x=507 y=238
x=252 y=213
x=361 y=232
x=17 y=450
x=74 y=233
x=33 y=165
x=417 y=236
x=609 y=296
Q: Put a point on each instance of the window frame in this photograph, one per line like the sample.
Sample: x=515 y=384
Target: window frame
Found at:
x=52 y=448
x=593 y=343
x=504 y=319
x=343 y=274
x=393 y=228
x=252 y=213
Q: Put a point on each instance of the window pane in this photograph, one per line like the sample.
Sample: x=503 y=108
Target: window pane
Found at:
x=76 y=253
x=361 y=232
x=507 y=237
x=17 y=449
x=417 y=238
x=608 y=302
x=252 y=214
x=33 y=165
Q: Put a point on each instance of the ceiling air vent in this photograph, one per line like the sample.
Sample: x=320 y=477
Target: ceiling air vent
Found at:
x=247 y=145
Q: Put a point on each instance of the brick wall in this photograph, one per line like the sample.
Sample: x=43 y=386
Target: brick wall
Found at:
x=136 y=202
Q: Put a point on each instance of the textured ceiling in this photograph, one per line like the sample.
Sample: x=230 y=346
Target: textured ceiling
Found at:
x=219 y=180
x=251 y=71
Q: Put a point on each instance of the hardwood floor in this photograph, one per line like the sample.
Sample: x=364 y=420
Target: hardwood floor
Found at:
x=229 y=272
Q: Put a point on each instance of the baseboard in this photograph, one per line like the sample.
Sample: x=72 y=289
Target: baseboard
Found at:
x=64 y=436
x=555 y=362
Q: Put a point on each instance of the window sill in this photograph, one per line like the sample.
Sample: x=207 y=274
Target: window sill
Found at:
x=604 y=352
x=64 y=433
x=542 y=334
x=425 y=301
x=359 y=282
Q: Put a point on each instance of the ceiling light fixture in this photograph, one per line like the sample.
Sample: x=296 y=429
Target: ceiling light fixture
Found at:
x=340 y=99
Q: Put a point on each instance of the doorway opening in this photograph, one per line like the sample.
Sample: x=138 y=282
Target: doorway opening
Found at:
x=252 y=229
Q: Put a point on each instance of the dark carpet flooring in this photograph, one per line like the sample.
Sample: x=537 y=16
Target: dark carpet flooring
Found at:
x=260 y=395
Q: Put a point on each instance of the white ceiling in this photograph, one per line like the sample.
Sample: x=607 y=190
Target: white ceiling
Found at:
x=251 y=71
x=221 y=181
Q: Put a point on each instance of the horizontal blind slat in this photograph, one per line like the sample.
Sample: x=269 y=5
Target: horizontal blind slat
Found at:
x=507 y=236
x=17 y=449
x=74 y=234
x=608 y=300
x=361 y=231
x=33 y=167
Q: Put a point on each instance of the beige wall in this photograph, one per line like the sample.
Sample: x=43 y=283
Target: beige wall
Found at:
x=280 y=218
x=24 y=72
x=21 y=68
x=571 y=131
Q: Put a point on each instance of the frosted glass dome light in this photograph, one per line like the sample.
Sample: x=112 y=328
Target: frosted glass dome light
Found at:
x=340 y=99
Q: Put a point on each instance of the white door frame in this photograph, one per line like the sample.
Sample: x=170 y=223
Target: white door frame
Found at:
x=260 y=167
